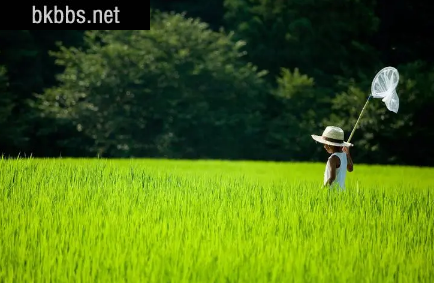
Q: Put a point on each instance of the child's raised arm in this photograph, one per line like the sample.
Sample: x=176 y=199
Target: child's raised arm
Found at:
x=349 y=159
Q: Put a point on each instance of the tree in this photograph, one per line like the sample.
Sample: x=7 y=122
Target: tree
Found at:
x=30 y=69
x=210 y=12
x=6 y=106
x=179 y=90
x=323 y=39
x=294 y=112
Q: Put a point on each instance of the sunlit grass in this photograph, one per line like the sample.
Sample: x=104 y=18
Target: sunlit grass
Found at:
x=81 y=220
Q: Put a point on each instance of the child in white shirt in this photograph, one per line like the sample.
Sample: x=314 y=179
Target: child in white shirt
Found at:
x=340 y=159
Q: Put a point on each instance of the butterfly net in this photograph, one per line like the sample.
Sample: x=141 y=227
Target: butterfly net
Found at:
x=384 y=86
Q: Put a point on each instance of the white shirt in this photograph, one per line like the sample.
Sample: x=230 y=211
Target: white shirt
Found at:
x=341 y=172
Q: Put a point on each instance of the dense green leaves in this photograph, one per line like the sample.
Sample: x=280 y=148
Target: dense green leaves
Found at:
x=294 y=120
x=179 y=90
x=6 y=105
x=29 y=69
x=321 y=38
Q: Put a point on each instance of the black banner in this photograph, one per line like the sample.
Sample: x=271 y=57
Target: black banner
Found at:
x=84 y=15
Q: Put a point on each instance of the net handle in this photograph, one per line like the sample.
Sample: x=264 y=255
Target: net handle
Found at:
x=357 y=122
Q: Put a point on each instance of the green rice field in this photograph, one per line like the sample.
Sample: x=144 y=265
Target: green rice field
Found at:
x=103 y=220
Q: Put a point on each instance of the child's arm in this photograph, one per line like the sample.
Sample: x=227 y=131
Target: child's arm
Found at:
x=333 y=164
x=350 y=167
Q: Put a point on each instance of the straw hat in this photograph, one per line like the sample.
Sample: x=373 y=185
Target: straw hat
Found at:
x=332 y=136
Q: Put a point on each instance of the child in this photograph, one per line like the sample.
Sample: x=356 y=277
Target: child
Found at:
x=340 y=159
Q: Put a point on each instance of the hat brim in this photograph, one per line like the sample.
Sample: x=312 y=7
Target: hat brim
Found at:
x=320 y=139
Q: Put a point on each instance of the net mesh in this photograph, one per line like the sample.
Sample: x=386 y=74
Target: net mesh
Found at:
x=384 y=86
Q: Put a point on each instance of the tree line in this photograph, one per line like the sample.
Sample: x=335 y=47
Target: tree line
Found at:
x=231 y=79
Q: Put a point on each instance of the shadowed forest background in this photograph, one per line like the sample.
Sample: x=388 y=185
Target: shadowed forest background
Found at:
x=231 y=79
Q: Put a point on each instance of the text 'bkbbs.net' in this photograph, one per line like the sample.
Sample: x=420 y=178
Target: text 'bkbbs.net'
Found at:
x=56 y=15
